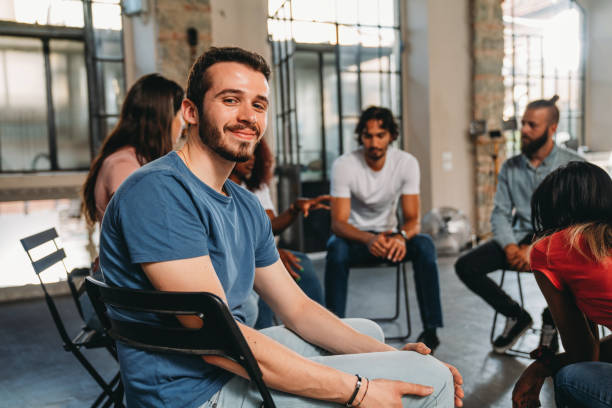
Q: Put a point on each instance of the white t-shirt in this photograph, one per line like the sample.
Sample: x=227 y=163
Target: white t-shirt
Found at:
x=264 y=197
x=374 y=194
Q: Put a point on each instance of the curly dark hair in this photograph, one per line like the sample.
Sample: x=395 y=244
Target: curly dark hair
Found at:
x=379 y=113
x=145 y=123
x=262 y=169
x=198 y=81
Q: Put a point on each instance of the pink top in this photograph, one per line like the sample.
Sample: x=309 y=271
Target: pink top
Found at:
x=115 y=168
x=567 y=269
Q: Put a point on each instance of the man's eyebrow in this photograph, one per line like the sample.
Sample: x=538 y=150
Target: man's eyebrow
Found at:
x=231 y=91
x=228 y=91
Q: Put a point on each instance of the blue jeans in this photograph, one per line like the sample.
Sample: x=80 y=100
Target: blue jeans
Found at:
x=584 y=385
x=342 y=254
x=395 y=365
x=309 y=283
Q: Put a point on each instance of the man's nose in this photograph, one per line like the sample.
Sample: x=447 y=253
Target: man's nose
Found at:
x=247 y=114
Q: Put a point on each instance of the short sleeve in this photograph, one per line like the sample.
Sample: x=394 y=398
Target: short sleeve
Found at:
x=159 y=221
x=340 y=179
x=538 y=260
x=265 y=250
x=411 y=176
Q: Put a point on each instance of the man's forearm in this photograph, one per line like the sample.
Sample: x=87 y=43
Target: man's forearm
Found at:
x=411 y=228
x=319 y=326
x=287 y=371
x=347 y=231
x=283 y=220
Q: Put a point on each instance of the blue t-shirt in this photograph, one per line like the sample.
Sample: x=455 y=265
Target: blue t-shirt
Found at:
x=163 y=212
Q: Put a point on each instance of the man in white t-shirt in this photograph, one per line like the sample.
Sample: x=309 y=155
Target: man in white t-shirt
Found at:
x=366 y=186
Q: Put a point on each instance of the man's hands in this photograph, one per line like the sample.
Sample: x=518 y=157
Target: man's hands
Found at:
x=305 y=205
x=517 y=257
x=387 y=245
x=526 y=393
x=291 y=262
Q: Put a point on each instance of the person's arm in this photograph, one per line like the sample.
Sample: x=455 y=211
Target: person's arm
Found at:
x=378 y=244
x=317 y=325
x=501 y=216
x=412 y=225
x=301 y=205
x=578 y=340
x=282 y=368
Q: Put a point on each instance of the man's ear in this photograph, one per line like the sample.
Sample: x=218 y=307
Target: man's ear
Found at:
x=552 y=129
x=189 y=112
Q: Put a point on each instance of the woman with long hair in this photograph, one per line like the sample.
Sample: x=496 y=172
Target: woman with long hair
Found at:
x=148 y=128
x=572 y=263
x=255 y=175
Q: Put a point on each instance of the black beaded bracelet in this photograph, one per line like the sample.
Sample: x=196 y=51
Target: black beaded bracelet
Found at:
x=349 y=403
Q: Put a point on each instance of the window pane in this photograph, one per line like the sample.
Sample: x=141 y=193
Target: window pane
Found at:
x=370 y=90
x=368 y=12
x=111 y=85
x=106 y=16
x=388 y=16
x=67 y=13
x=23 y=106
x=346 y=11
x=348 y=134
x=330 y=109
x=309 y=114
x=69 y=90
x=350 y=97
x=108 y=43
x=320 y=10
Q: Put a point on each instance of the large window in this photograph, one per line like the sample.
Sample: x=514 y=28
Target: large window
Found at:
x=544 y=56
x=61 y=81
x=332 y=59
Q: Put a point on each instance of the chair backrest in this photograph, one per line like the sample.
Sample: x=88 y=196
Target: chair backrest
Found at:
x=55 y=256
x=219 y=334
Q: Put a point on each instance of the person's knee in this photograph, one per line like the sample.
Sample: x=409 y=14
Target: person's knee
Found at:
x=425 y=246
x=367 y=327
x=436 y=375
x=463 y=268
x=337 y=250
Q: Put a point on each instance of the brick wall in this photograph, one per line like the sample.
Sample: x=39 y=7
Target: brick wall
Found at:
x=487 y=103
x=173 y=17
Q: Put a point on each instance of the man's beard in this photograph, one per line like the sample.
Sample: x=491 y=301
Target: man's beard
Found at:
x=529 y=148
x=375 y=154
x=211 y=137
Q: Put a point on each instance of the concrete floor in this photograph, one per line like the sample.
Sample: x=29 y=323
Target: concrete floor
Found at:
x=36 y=372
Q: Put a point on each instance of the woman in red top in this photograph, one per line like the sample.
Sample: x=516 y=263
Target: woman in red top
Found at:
x=572 y=263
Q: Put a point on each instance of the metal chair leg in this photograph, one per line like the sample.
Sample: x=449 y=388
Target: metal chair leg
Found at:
x=511 y=351
x=400 y=272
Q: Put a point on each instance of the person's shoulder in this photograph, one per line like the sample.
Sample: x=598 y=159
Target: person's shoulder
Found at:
x=157 y=173
x=240 y=192
x=350 y=160
x=514 y=161
x=402 y=155
x=568 y=155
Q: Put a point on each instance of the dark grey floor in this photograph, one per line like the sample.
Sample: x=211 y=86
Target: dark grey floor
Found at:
x=36 y=372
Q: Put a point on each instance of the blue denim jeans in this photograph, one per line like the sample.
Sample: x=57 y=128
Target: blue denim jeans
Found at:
x=396 y=365
x=342 y=254
x=584 y=385
x=309 y=283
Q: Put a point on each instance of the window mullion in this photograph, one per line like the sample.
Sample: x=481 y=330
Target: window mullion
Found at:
x=52 y=131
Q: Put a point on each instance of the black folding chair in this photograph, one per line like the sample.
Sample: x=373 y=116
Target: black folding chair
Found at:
x=400 y=273
x=219 y=335
x=87 y=337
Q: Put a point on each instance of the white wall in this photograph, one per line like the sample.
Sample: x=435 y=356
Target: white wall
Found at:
x=598 y=126
x=242 y=24
x=437 y=95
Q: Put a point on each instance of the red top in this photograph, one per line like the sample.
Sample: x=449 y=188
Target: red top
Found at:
x=567 y=268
